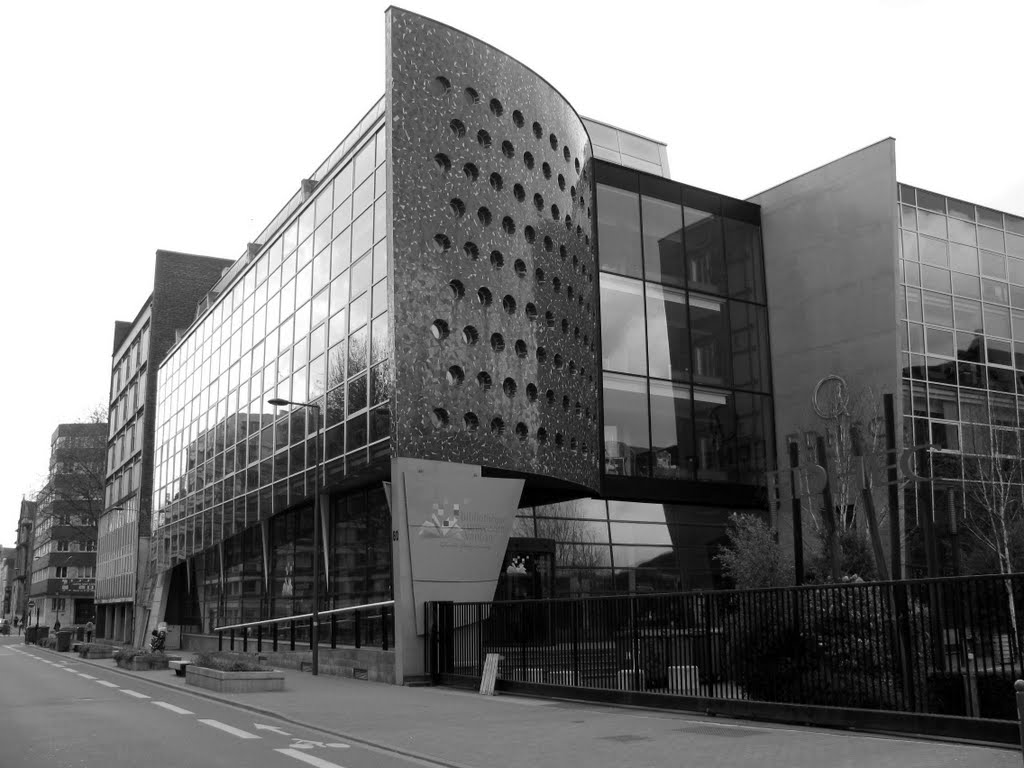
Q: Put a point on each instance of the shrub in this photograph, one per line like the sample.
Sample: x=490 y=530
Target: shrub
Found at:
x=84 y=648
x=753 y=557
x=996 y=699
x=227 y=663
x=826 y=646
x=126 y=655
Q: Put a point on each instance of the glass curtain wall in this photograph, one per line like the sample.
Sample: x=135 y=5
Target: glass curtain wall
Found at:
x=684 y=334
x=962 y=316
x=358 y=568
x=604 y=547
x=306 y=320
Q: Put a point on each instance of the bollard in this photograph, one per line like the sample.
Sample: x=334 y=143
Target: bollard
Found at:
x=1018 y=688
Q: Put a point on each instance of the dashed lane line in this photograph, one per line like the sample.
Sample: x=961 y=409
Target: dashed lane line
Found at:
x=136 y=694
x=87 y=677
x=229 y=729
x=172 y=708
x=109 y=685
x=319 y=762
x=304 y=757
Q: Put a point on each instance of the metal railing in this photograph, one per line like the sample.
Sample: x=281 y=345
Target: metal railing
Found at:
x=370 y=624
x=940 y=646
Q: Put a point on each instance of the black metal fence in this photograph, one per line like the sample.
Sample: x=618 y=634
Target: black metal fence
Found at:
x=939 y=646
x=370 y=626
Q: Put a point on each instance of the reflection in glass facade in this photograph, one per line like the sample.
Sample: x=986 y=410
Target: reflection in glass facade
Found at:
x=605 y=547
x=962 y=315
x=305 y=320
x=684 y=333
x=358 y=571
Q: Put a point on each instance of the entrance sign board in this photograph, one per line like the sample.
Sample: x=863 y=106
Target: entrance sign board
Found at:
x=490 y=673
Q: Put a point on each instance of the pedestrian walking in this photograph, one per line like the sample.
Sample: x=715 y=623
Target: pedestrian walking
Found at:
x=89 y=629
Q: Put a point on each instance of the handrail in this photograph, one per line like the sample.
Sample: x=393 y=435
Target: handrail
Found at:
x=298 y=616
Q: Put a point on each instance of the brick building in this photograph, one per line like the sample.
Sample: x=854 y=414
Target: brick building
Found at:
x=63 y=564
x=180 y=283
x=22 y=558
x=7 y=561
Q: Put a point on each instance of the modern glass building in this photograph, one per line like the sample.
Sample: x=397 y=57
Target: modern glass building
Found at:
x=906 y=292
x=462 y=284
x=962 y=275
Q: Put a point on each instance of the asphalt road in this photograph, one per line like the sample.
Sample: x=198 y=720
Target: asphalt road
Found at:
x=56 y=712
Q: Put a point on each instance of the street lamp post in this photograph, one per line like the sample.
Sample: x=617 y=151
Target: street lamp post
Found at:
x=315 y=628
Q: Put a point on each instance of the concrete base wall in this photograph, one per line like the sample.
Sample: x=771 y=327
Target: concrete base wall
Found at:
x=373 y=663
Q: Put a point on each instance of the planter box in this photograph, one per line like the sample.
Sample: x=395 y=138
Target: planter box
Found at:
x=234 y=682
x=103 y=652
x=144 y=665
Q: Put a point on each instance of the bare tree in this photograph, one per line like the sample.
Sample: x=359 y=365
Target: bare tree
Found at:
x=994 y=497
x=852 y=453
x=574 y=536
x=75 y=484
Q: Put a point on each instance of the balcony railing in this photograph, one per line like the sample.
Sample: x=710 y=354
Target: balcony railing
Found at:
x=370 y=624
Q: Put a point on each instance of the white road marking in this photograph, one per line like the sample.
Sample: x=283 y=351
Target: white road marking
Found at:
x=308 y=759
x=87 y=677
x=274 y=728
x=172 y=708
x=109 y=685
x=136 y=694
x=307 y=744
x=229 y=729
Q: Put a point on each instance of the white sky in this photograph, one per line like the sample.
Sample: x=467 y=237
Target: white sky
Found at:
x=128 y=127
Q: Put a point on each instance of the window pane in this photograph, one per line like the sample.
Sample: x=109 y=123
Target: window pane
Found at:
x=938 y=309
x=667 y=338
x=663 y=240
x=704 y=253
x=991 y=239
x=1016 y=271
x=749 y=346
x=997 y=321
x=939 y=342
x=931 y=224
x=626 y=434
x=715 y=422
x=743 y=260
x=967 y=314
x=618 y=228
x=994 y=290
x=934 y=251
x=962 y=232
x=993 y=265
x=963 y=258
x=965 y=285
x=622 y=325
x=910 y=246
x=671 y=430
x=710 y=336
x=754 y=449
x=935 y=278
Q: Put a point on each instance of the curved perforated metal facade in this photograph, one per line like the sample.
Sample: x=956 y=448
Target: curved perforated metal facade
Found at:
x=492 y=261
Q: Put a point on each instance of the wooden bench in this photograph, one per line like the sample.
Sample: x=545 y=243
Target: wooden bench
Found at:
x=179 y=666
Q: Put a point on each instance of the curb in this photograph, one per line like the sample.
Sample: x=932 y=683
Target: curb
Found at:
x=362 y=741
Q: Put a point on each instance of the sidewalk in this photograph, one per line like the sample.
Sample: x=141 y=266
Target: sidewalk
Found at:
x=463 y=729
